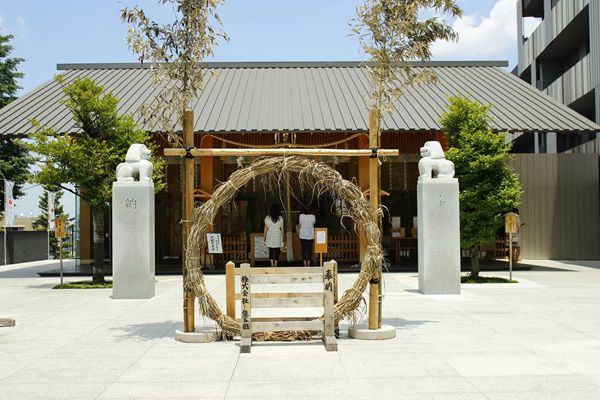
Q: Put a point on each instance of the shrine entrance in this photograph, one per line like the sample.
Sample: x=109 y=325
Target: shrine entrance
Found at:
x=313 y=176
x=277 y=165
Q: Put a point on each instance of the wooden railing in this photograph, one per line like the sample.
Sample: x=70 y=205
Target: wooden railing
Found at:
x=343 y=248
x=235 y=248
x=501 y=249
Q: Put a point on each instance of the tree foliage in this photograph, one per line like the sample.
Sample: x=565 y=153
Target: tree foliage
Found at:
x=392 y=34
x=175 y=51
x=489 y=186
x=8 y=71
x=14 y=158
x=14 y=165
x=88 y=159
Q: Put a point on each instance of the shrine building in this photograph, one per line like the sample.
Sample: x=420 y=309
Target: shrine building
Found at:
x=325 y=105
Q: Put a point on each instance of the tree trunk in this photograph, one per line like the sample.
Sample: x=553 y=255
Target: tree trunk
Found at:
x=475 y=261
x=98 y=268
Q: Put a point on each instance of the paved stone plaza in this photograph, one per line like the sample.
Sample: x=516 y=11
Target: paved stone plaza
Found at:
x=539 y=339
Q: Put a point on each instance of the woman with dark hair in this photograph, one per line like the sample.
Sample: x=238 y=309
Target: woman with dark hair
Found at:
x=307 y=222
x=274 y=234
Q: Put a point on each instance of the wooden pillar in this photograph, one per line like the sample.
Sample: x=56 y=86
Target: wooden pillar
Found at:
x=230 y=288
x=374 y=200
x=207 y=179
x=289 y=237
x=188 y=295
x=246 y=317
x=363 y=183
x=206 y=167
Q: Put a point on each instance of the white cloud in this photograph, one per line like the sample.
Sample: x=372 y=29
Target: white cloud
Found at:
x=492 y=36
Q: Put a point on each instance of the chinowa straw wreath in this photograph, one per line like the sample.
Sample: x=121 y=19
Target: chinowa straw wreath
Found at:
x=316 y=176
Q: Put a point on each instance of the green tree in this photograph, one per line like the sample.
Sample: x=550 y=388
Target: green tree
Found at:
x=14 y=158
x=392 y=33
x=41 y=222
x=489 y=186
x=176 y=51
x=87 y=159
x=8 y=71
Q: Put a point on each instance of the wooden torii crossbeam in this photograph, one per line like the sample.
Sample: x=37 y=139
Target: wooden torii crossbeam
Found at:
x=190 y=152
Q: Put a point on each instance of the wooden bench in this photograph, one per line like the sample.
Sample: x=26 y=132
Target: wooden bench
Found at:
x=283 y=275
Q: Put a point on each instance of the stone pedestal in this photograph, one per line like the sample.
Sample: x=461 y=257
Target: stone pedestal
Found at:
x=133 y=240
x=362 y=332
x=439 y=236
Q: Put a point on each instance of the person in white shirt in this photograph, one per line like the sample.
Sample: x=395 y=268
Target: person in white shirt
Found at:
x=307 y=235
x=273 y=234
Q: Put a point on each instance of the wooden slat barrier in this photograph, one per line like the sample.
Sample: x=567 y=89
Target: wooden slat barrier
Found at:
x=282 y=278
x=235 y=248
x=327 y=276
x=343 y=248
x=501 y=249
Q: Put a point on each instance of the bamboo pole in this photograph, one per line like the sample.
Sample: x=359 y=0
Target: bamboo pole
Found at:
x=374 y=201
x=224 y=152
x=188 y=295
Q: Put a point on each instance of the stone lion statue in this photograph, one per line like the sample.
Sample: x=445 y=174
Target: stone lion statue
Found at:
x=136 y=164
x=433 y=164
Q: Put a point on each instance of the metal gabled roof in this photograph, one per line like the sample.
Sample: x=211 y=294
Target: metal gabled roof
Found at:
x=307 y=96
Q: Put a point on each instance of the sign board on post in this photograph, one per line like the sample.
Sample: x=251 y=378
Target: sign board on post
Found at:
x=61 y=228
x=214 y=243
x=258 y=248
x=321 y=242
x=511 y=226
x=60 y=233
x=511 y=223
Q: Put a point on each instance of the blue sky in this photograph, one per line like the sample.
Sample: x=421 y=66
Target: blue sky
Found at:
x=88 y=31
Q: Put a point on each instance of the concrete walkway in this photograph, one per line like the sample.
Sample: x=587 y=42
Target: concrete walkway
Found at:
x=539 y=339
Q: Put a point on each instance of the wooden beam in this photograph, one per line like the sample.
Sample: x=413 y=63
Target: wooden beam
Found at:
x=224 y=152
x=286 y=278
x=284 y=326
x=287 y=302
x=285 y=295
x=284 y=270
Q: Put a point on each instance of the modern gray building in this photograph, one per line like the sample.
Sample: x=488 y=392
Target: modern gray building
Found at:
x=562 y=59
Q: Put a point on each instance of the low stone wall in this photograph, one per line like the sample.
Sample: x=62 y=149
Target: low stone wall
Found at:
x=24 y=246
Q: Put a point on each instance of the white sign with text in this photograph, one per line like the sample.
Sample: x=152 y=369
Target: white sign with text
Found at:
x=215 y=245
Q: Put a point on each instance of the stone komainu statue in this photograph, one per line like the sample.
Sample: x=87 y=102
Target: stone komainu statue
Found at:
x=433 y=164
x=136 y=164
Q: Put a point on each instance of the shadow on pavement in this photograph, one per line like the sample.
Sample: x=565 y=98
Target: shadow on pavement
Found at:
x=147 y=331
x=406 y=323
